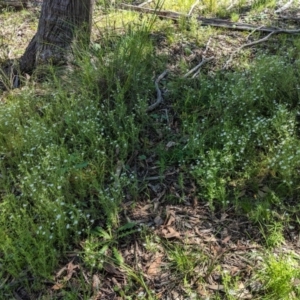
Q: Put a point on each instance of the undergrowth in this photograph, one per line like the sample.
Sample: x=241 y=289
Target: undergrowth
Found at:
x=66 y=144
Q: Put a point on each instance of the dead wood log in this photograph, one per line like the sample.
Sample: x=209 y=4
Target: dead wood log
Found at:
x=214 y=22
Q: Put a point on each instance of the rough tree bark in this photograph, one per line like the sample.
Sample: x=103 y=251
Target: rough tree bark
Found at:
x=61 y=21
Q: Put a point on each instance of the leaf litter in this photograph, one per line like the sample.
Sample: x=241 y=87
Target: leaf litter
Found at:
x=228 y=243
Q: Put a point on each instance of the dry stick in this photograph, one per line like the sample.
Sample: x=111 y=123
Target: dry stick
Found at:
x=193 y=7
x=209 y=22
x=289 y=18
x=284 y=7
x=204 y=60
x=254 y=30
x=196 y=73
x=144 y=3
x=230 y=6
x=207 y=46
x=248 y=45
x=159 y=98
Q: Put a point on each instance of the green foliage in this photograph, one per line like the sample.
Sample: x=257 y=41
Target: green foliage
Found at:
x=278 y=275
x=100 y=247
x=242 y=126
x=65 y=145
x=63 y=152
x=184 y=259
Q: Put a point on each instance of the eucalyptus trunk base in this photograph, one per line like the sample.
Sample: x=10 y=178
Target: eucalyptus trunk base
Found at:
x=62 y=22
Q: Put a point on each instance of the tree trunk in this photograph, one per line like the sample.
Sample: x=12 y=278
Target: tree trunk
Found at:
x=61 y=21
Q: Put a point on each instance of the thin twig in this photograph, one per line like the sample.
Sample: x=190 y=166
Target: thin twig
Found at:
x=193 y=7
x=284 y=7
x=203 y=61
x=207 y=46
x=254 y=30
x=144 y=3
x=231 y=5
x=159 y=98
x=248 y=45
x=196 y=73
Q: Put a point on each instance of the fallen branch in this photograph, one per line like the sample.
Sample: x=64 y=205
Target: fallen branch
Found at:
x=193 y=7
x=159 y=98
x=289 y=18
x=196 y=69
x=248 y=45
x=209 y=22
x=254 y=30
x=284 y=7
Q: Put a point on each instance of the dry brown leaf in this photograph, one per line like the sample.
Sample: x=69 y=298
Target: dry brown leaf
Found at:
x=96 y=283
x=209 y=239
x=116 y=283
x=201 y=290
x=223 y=217
x=241 y=286
x=226 y=240
x=60 y=272
x=244 y=295
x=187 y=225
x=170 y=218
x=175 y=295
x=234 y=270
x=110 y=268
x=170 y=232
x=146 y=207
x=203 y=231
x=154 y=267
x=194 y=202
x=215 y=287
x=57 y=286
x=70 y=270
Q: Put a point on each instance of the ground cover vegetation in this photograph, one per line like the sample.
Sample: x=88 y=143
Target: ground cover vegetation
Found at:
x=105 y=196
